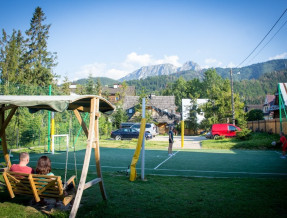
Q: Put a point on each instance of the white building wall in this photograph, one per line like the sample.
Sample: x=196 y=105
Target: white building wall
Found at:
x=186 y=106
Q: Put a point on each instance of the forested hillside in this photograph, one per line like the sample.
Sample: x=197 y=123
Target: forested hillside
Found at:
x=103 y=80
x=254 y=91
x=254 y=71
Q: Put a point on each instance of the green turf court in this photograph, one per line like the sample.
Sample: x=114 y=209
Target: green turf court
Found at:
x=189 y=163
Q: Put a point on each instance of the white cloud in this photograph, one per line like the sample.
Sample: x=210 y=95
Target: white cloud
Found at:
x=279 y=56
x=231 y=65
x=95 y=69
x=211 y=62
x=132 y=62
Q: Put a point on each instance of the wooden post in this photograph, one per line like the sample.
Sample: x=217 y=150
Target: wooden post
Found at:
x=3 y=138
x=86 y=164
x=97 y=153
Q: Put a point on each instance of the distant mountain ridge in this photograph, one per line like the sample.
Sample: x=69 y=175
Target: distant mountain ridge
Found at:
x=103 y=80
x=191 y=69
x=159 y=70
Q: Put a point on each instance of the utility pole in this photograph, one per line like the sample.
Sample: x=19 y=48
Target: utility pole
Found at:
x=232 y=98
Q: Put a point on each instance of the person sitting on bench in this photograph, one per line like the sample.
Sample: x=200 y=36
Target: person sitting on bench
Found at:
x=22 y=166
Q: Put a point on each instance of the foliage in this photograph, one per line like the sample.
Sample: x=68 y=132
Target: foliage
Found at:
x=118 y=117
x=105 y=127
x=192 y=119
x=219 y=137
x=38 y=61
x=244 y=134
x=256 y=141
x=103 y=80
x=255 y=114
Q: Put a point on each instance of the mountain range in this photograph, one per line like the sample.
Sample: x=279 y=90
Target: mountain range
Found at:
x=192 y=70
x=159 y=70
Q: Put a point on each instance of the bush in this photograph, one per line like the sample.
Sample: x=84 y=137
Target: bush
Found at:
x=244 y=134
x=219 y=137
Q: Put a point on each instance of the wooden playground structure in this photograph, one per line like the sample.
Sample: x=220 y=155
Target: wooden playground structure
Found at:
x=80 y=103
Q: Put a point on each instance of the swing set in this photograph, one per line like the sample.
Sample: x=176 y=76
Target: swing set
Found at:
x=45 y=186
x=282 y=95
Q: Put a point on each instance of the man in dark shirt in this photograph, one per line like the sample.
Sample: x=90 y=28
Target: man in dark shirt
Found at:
x=170 y=140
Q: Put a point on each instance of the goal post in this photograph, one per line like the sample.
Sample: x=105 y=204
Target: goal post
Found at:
x=53 y=142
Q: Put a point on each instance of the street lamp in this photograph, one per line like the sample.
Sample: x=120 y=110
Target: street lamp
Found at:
x=232 y=98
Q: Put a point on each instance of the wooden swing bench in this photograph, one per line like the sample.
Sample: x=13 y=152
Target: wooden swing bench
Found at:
x=39 y=186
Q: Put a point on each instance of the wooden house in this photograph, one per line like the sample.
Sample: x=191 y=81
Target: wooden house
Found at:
x=161 y=108
x=117 y=92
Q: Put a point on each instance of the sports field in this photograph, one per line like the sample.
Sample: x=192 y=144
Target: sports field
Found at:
x=189 y=163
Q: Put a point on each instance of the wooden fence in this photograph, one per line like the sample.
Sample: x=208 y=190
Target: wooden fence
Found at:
x=271 y=126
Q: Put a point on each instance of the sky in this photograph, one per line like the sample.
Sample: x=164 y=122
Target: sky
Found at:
x=112 y=38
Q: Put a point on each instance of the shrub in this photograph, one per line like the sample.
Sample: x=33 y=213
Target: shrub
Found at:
x=219 y=137
x=244 y=134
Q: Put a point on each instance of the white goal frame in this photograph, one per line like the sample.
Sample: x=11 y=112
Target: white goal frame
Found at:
x=53 y=141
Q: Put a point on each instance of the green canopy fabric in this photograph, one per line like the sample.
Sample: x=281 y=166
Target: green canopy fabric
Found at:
x=58 y=103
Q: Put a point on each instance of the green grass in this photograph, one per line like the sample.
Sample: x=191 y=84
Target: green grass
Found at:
x=175 y=196
x=160 y=196
x=257 y=141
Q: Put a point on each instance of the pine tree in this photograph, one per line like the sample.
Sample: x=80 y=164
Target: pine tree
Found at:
x=38 y=61
x=66 y=86
x=12 y=49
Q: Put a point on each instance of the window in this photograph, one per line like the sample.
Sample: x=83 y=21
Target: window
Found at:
x=130 y=111
x=232 y=128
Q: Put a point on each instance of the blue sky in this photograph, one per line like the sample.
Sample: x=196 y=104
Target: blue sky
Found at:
x=115 y=37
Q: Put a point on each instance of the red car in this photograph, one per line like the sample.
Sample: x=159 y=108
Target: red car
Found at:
x=225 y=129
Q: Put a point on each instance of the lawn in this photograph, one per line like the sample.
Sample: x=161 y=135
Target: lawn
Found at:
x=162 y=196
x=186 y=195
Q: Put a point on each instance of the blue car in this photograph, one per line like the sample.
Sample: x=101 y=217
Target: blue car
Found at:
x=128 y=133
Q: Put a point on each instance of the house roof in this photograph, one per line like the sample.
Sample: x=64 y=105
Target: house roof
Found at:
x=269 y=99
x=161 y=102
x=56 y=103
x=130 y=90
x=254 y=106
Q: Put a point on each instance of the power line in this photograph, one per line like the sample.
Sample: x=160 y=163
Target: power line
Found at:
x=268 y=41
x=263 y=39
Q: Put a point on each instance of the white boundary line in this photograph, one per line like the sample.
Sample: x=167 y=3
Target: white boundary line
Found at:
x=198 y=171
x=165 y=160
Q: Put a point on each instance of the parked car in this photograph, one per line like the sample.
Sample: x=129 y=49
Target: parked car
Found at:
x=126 y=125
x=208 y=135
x=128 y=133
x=149 y=127
x=224 y=129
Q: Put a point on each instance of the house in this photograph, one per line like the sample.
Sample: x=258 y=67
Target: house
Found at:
x=161 y=108
x=275 y=107
x=268 y=104
x=187 y=106
x=250 y=107
x=116 y=92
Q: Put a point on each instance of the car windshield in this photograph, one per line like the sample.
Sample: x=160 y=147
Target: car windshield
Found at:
x=137 y=126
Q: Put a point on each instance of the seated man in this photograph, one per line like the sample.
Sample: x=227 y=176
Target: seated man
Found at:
x=22 y=166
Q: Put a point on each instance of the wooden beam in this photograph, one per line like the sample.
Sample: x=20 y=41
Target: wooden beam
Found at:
x=92 y=182
x=79 y=108
x=82 y=182
x=3 y=138
x=97 y=156
x=82 y=123
x=5 y=108
x=7 y=121
x=34 y=189
x=9 y=187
